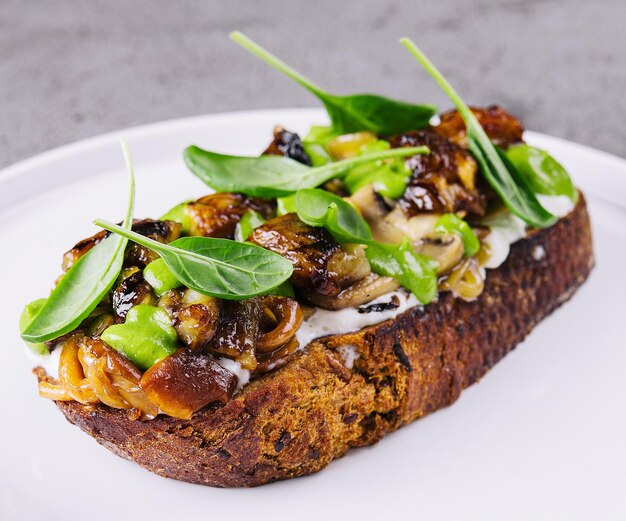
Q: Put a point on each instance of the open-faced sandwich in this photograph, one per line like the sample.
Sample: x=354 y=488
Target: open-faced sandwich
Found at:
x=329 y=291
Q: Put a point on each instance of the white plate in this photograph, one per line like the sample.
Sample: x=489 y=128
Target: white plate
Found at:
x=542 y=436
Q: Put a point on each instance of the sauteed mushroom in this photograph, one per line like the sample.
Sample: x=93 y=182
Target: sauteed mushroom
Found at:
x=321 y=265
x=187 y=381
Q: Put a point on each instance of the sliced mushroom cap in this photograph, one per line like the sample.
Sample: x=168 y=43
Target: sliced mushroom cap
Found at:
x=374 y=210
x=447 y=250
x=321 y=264
x=415 y=228
x=187 y=381
x=350 y=266
x=217 y=215
x=503 y=128
x=363 y=291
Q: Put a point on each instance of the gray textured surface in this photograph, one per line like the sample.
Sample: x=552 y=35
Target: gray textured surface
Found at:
x=73 y=69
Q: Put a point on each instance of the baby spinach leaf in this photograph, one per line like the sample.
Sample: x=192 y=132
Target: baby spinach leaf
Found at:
x=544 y=174
x=415 y=272
x=450 y=223
x=216 y=267
x=82 y=288
x=284 y=290
x=355 y=112
x=513 y=189
x=30 y=311
x=274 y=176
x=321 y=208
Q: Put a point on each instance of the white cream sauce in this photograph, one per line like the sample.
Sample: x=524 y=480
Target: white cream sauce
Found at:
x=507 y=228
x=243 y=375
x=324 y=322
x=49 y=362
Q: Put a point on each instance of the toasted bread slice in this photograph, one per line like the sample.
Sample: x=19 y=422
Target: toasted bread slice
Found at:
x=296 y=420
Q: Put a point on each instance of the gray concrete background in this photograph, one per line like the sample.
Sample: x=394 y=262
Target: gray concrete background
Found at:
x=74 y=69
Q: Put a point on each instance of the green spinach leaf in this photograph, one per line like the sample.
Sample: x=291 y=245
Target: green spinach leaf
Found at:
x=415 y=272
x=451 y=223
x=216 y=267
x=513 y=189
x=82 y=288
x=355 y=112
x=542 y=172
x=318 y=207
x=274 y=176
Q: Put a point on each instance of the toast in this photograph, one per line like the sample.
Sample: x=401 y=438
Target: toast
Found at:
x=349 y=390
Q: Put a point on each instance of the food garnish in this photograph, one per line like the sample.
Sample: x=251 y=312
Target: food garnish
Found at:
x=82 y=288
x=352 y=113
x=542 y=172
x=274 y=176
x=513 y=189
x=216 y=267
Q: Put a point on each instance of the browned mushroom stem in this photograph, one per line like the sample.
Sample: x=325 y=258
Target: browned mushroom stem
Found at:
x=92 y=372
x=187 y=381
x=365 y=290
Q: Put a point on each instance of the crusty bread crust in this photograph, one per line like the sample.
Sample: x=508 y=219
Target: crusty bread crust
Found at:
x=296 y=420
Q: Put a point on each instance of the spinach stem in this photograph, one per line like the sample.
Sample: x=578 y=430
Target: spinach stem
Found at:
x=276 y=62
x=128 y=218
x=332 y=169
x=437 y=76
